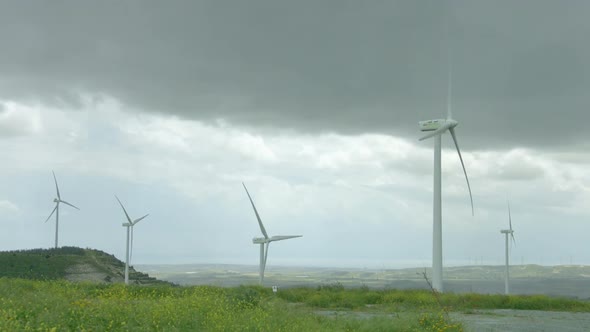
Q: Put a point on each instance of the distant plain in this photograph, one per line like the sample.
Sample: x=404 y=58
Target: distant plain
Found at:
x=563 y=280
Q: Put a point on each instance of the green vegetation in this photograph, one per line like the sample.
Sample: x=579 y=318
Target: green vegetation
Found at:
x=41 y=264
x=58 y=305
x=35 y=296
x=65 y=263
x=28 y=305
x=336 y=296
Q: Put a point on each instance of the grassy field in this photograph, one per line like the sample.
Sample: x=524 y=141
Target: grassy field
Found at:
x=36 y=294
x=28 y=305
x=57 y=305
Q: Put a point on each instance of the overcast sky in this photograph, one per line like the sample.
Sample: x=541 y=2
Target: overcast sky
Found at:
x=314 y=105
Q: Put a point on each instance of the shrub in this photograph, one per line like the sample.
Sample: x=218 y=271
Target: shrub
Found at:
x=332 y=287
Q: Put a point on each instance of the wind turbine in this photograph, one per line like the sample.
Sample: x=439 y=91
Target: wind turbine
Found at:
x=57 y=201
x=266 y=240
x=129 y=224
x=506 y=232
x=437 y=128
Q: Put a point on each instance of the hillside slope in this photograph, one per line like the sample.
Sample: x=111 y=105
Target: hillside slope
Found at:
x=70 y=263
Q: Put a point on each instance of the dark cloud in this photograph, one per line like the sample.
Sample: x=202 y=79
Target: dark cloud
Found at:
x=520 y=68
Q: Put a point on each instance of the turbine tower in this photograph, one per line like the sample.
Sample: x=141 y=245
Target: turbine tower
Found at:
x=128 y=248
x=506 y=232
x=266 y=240
x=437 y=128
x=57 y=201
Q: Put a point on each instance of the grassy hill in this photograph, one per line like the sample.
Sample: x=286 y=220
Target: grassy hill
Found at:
x=70 y=263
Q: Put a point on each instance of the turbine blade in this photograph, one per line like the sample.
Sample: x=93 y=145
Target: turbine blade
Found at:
x=509 y=217
x=56 y=187
x=450 y=88
x=512 y=243
x=139 y=219
x=66 y=203
x=126 y=215
x=256 y=212
x=265 y=256
x=284 y=237
x=52 y=212
x=452 y=130
x=439 y=131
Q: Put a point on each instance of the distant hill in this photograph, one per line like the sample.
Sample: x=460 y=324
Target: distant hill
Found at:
x=70 y=263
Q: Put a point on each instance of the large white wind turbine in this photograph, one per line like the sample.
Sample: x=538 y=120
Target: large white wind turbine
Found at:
x=129 y=224
x=437 y=128
x=266 y=240
x=57 y=201
x=506 y=232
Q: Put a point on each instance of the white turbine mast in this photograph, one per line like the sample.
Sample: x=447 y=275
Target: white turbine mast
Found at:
x=437 y=128
x=57 y=201
x=266 y=240
x=128 y=248
x=506 y=232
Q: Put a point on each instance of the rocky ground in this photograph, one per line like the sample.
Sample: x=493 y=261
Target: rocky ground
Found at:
x=88 y=272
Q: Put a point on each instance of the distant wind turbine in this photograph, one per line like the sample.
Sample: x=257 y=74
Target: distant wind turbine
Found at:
x=437 y=128
x=57 y=201
x=266 y=240
x=128 y=249
x=506 y=232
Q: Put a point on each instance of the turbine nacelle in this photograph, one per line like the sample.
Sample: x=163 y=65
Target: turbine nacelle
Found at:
x=506 y=231
x=55 y=200
x=433 y=125
x=259 y=240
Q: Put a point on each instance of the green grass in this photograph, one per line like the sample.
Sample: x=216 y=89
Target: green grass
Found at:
x=35 y=297
x=58 y=305
x=29 y=305
x=519 y=302
x=335 y=296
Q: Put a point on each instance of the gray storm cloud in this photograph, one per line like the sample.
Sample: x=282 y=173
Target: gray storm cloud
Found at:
x=520 y=68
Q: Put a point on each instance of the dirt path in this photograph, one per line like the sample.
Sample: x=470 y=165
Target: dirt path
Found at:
x=524 y=320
